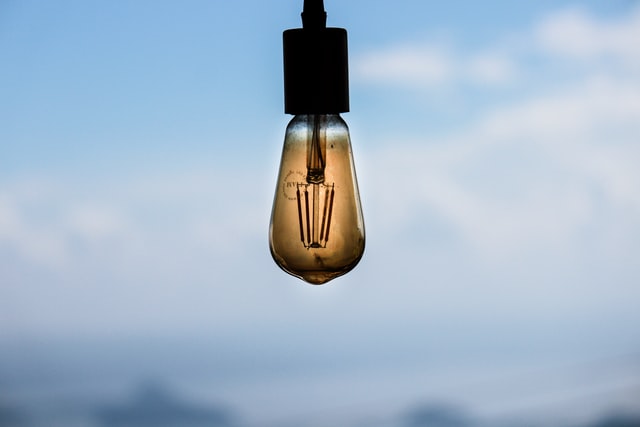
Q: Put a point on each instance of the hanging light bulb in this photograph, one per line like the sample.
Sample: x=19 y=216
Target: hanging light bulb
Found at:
x=317 y=230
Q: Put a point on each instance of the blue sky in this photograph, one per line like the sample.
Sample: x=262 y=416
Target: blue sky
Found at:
x=496 y=146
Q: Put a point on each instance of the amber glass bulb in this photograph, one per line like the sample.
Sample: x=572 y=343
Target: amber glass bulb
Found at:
x=317 y=229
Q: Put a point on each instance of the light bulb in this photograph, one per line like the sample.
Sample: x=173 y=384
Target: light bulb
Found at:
x=317 y=229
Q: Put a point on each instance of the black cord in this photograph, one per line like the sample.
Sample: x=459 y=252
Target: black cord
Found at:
x=314 y=15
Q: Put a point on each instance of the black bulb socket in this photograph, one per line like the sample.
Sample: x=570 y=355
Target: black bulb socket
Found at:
x=316 y=71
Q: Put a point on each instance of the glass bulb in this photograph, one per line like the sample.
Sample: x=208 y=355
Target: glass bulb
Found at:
x=317 y=229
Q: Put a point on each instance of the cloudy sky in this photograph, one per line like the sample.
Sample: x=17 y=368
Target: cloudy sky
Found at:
x=496 y=147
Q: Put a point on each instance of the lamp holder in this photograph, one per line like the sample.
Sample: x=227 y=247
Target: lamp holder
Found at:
x=316 y=71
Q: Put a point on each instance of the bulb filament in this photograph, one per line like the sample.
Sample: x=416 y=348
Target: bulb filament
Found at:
x=314 y=231
x=317 y=234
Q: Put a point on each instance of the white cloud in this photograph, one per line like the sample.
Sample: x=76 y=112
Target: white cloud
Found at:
x=161 y=251
x=428 y=66
x=490 y=68
x=410 y=65
x=582 y=109
x=576 y=34
x=95 y=222
x=28 y=239
x=528 y=176
x=543 y=167
x=572 y=34
x=130 y=224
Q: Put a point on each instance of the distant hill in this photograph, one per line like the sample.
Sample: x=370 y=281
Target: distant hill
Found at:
x=154 y=406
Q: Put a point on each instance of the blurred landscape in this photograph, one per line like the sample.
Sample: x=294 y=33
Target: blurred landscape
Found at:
x=191 y=384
